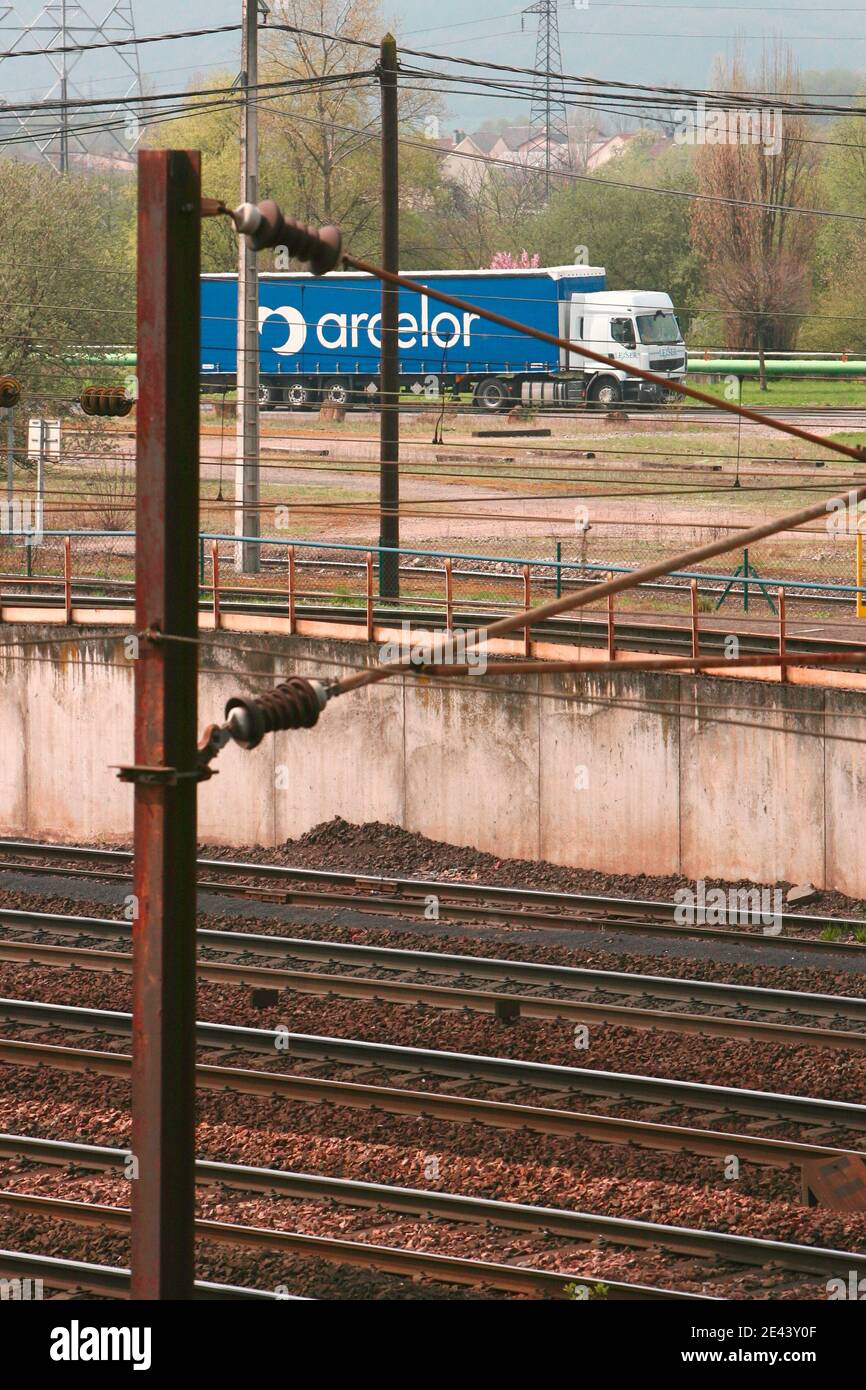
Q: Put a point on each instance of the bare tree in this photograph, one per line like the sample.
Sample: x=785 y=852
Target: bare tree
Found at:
x=327 y=132
x=757 y=259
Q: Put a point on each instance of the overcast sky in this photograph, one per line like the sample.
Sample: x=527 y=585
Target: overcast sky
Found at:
x=634 y=40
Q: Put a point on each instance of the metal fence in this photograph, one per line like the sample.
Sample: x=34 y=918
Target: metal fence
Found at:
x=85 y=568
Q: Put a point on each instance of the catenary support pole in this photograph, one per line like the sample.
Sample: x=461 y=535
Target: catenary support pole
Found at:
x=165 y=770
x=389 y=427
x=247 y=521
x=10 y=458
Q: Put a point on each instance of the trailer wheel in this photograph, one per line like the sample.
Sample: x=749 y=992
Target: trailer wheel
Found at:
x=605 y=391
x=492 y=394
x=335 y=392
x=298 y=395
x=266 y=394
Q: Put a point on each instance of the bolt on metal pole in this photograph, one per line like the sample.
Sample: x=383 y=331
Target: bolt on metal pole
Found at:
x=247 y=520
x=165 y=772
x=389 y=426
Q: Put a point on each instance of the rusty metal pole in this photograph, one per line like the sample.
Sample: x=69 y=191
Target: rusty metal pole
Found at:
x=389 y=416
x=166 y=673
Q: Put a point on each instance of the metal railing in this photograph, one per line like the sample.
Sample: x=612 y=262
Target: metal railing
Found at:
x=442 y=588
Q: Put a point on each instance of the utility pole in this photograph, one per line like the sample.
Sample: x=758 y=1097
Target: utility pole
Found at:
x=165 y=772
x=548 y=115
x=247 y=488
x=389 y=415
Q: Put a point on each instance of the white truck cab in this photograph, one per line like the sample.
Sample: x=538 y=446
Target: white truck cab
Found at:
x=637 y=327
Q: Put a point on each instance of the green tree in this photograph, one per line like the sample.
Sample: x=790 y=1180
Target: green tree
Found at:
x=641 y=238
x=839 y=300
x=67 y=281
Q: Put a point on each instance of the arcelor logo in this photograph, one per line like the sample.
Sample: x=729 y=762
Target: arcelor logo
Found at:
x=295 y=324
x=335 y=331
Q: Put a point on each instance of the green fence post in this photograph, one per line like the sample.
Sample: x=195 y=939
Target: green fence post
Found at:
x=745 y=581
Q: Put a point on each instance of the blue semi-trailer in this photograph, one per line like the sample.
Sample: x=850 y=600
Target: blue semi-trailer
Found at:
x=320 y=338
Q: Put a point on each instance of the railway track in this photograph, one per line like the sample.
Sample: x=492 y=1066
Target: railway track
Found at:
x=455 y=900
x=79 y=1277
x=446 y=1106
x=347 y=1192
x=510 y=1007
x=415 y=1061
x=385 y=1259
x=431 y=1204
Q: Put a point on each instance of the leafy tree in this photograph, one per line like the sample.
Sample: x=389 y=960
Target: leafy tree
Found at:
x=66 y=278
x=641 y=238
x=840 y=246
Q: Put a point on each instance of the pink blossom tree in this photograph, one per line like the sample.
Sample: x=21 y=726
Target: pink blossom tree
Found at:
x=504 y=260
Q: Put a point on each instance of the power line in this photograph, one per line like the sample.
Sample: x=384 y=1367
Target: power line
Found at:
x=168 y=37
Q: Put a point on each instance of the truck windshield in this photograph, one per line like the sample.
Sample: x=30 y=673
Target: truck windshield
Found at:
x=660 y=327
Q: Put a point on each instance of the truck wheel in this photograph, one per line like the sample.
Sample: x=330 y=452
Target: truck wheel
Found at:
x=266 y=395
x=298 y=395
x=492 y=393
x=335 y=392
x=606 y=391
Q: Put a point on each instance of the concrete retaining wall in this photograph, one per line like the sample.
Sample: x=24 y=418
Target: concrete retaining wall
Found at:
x=644 y=773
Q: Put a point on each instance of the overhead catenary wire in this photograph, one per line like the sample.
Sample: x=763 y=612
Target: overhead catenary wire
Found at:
x=655 y=92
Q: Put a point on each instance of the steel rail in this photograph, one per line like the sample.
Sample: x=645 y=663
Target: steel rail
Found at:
x=433 y=1105
x=409 y=907
x=510 y=1007
x=254 y=1179
x=345 y=1191
x=535 y=1075
x=518 y=1278
x=441 y=888
x=536 y=973
x=388 y=1259
x=77 y=1275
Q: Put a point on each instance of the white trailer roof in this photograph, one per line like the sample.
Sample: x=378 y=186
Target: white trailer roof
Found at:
x=552 y=272
x=624 y=299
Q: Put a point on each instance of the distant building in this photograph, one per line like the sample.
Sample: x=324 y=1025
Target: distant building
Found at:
x=471 y=155
x=603 y=151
